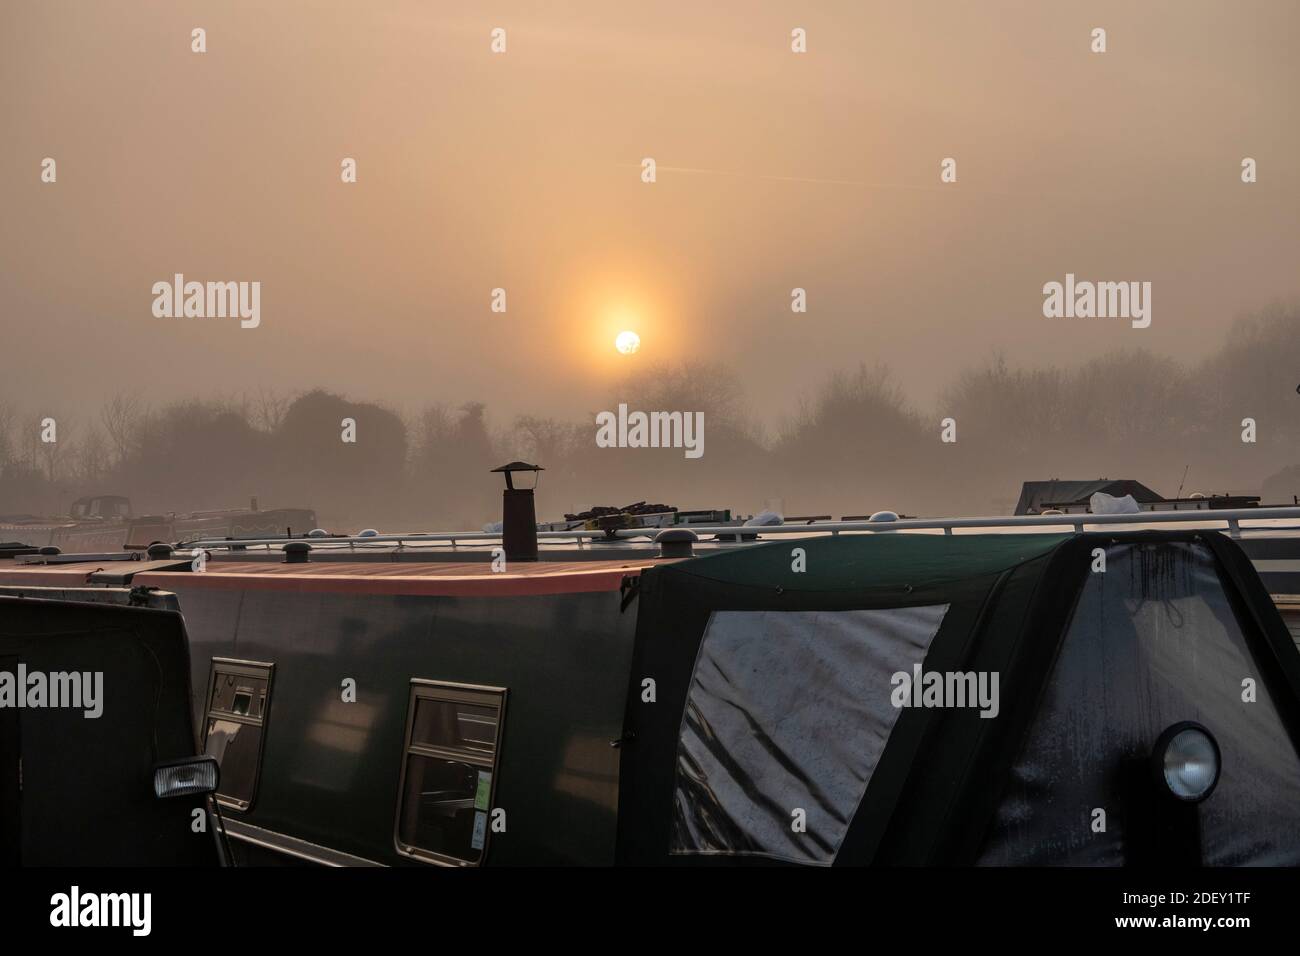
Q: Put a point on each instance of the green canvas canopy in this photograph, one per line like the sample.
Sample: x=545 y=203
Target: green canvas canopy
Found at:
x=908 y=698
x=883 y=562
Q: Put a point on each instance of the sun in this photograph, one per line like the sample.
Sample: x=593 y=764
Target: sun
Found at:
x=627 y=342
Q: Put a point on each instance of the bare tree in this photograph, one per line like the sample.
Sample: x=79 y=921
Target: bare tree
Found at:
x=431 y=433
x=88 y=460
x=267 y=408
x=122 y=417
x=8 y=417
x=51 y=456
x=696 y=386
x=544 y=440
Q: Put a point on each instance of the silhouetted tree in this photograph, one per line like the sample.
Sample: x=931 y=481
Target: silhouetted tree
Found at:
x=361 y=481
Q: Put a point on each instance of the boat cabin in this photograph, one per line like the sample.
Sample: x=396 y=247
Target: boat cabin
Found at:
x=794 y=695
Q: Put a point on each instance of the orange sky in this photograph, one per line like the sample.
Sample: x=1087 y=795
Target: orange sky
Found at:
x=522 y=171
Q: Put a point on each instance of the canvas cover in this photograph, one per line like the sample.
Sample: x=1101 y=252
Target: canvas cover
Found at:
x=1152 y=642
x=760 y=694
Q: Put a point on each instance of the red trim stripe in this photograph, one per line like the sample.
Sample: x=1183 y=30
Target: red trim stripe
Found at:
x=479 y=585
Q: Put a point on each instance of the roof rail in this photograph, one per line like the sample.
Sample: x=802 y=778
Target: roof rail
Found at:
x=1232 y=518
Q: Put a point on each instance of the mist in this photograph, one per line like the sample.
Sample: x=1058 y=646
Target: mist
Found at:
x=523 y=172
x=855 y=445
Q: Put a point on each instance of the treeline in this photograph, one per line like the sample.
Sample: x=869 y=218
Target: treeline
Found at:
x=856 y=445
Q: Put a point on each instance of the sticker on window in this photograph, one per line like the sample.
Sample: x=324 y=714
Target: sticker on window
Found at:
x=480 y=831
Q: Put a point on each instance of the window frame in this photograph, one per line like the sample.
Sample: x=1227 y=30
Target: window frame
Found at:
x=262 y=670
x=450 y=691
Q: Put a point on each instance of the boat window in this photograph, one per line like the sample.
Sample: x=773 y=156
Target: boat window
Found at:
x=788 y=713
x=449 y=769
x=234 y=731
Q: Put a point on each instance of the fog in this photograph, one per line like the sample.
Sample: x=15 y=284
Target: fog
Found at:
x=522 y=171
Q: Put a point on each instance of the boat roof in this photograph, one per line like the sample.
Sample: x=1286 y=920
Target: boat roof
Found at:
x=583 y=560
x=465 y=579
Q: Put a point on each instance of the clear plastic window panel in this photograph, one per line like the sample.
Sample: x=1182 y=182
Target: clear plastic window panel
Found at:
x=789 y=711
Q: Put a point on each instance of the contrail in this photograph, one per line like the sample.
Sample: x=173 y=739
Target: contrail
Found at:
x=786 y=179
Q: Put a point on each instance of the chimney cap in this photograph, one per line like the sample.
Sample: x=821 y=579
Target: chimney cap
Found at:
x=515 y=466
x=519 y=466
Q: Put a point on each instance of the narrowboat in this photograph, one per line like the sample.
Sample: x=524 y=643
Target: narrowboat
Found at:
x=1036 y=690
x=106 y=523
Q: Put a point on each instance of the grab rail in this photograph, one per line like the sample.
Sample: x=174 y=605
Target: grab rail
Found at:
x=1232 y=518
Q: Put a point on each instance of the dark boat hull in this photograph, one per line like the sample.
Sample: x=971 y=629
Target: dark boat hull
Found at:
x=331 y=770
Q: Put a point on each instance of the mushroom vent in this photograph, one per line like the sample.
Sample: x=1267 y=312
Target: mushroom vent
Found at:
x=676 y=543
x=297 y=552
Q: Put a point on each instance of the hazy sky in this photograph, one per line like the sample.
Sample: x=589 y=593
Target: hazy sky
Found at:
x=521 y=170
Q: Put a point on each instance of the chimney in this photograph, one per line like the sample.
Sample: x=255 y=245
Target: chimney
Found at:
x=519 y=514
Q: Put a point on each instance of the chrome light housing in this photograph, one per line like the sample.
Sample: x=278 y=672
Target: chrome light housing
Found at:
x=1186 y=762
x=181 y=778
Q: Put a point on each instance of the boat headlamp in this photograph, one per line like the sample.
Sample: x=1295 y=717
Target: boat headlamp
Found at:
x=1186 y=762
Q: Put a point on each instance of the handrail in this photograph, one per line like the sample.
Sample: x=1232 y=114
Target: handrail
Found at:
x=1231 y=517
